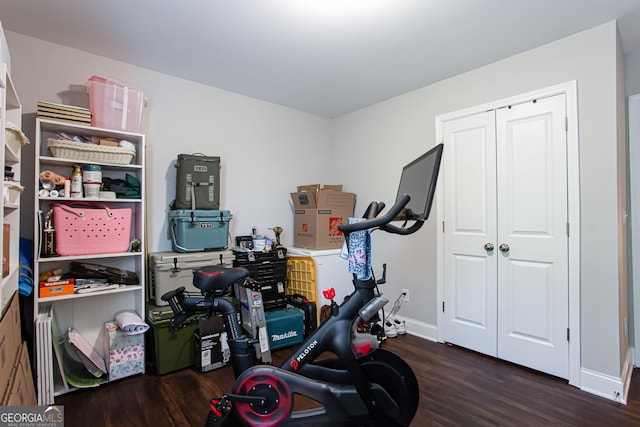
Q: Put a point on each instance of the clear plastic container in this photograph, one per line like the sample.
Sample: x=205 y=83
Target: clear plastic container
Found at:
x=114 y=105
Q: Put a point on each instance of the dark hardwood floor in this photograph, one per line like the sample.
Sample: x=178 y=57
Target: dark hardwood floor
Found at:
x=457 y=388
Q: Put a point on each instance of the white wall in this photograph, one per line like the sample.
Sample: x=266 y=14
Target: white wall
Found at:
x=632 y=87
x=632 y=74
x=624 y=247
x=265 y=149
x=375 y=142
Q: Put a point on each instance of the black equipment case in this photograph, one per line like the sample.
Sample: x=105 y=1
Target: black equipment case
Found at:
x=308 y=309
x=197 y=182
x=269 y=273
x=87 y=270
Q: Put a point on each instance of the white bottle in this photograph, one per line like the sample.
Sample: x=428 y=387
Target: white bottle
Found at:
x=67 y=187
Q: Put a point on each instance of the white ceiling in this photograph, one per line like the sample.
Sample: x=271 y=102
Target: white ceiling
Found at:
x=326 y=57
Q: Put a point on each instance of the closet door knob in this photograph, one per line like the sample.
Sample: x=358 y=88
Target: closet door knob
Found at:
x=488 y=247
x=504 y=247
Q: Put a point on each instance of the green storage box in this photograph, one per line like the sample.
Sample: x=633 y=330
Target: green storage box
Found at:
x=169 y=350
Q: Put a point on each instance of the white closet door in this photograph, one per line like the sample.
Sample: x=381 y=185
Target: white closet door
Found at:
x=532 y=217
x=505 y=234
x=469 y=161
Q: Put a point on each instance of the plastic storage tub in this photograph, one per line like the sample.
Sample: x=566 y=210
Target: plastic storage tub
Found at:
x=91 y=229
x=114 y=105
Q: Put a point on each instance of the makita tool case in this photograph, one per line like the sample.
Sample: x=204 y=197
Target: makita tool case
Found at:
x=199 y=230
x=284 y=327
x=197 y=182
x=170 y=270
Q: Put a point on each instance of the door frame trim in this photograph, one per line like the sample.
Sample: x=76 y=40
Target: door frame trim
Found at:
x=570 y=90
x=634 y=177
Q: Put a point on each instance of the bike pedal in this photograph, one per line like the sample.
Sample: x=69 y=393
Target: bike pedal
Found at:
x=219 y=406
x=214 y=420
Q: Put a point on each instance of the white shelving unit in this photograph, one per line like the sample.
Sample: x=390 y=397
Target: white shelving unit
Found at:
x=10 y=111
x=87 y=312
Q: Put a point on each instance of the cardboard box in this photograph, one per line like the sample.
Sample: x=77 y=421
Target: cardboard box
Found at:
x=10 y=341
x=124 y=354
x=317 y=214
x=212 y=350
x=212 y=325
x=21 y=390
x=56 y=288
x=108 y=143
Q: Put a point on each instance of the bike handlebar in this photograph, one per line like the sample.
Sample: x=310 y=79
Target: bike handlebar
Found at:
x=403 y=231
x=373 y=210
x=383 y=222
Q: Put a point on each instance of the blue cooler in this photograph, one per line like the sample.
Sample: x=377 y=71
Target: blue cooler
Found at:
x=285 y=327
x=199 y=230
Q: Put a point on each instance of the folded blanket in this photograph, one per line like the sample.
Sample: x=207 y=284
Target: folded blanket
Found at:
x=131 y=323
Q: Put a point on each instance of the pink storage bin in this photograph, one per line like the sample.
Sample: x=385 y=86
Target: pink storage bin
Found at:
x=91 y=228
x=114 y=105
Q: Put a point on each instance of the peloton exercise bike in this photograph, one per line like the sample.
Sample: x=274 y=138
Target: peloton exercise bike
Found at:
x=363 y=385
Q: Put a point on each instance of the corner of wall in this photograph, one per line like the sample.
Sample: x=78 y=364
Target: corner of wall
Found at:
x=608 y=386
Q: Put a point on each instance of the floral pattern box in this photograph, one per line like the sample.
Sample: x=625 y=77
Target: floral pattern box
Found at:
x=124 y=354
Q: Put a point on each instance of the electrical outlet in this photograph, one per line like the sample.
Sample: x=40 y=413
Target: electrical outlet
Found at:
x=406 y=295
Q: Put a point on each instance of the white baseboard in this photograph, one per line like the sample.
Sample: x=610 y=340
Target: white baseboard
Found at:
x=607 y=386
x=420 y=329
x=602 y=385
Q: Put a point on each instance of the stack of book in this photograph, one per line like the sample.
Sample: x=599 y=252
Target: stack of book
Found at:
x=66 y=113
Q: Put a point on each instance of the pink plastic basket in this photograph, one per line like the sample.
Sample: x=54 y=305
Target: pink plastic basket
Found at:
x=93 y=228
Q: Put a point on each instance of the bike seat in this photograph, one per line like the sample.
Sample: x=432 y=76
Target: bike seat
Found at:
x=217 y=278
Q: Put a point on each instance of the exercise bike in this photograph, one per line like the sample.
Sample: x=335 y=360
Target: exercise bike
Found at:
x=363 y=385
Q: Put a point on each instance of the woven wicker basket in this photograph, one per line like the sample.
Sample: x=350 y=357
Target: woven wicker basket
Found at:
x=90 y=152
